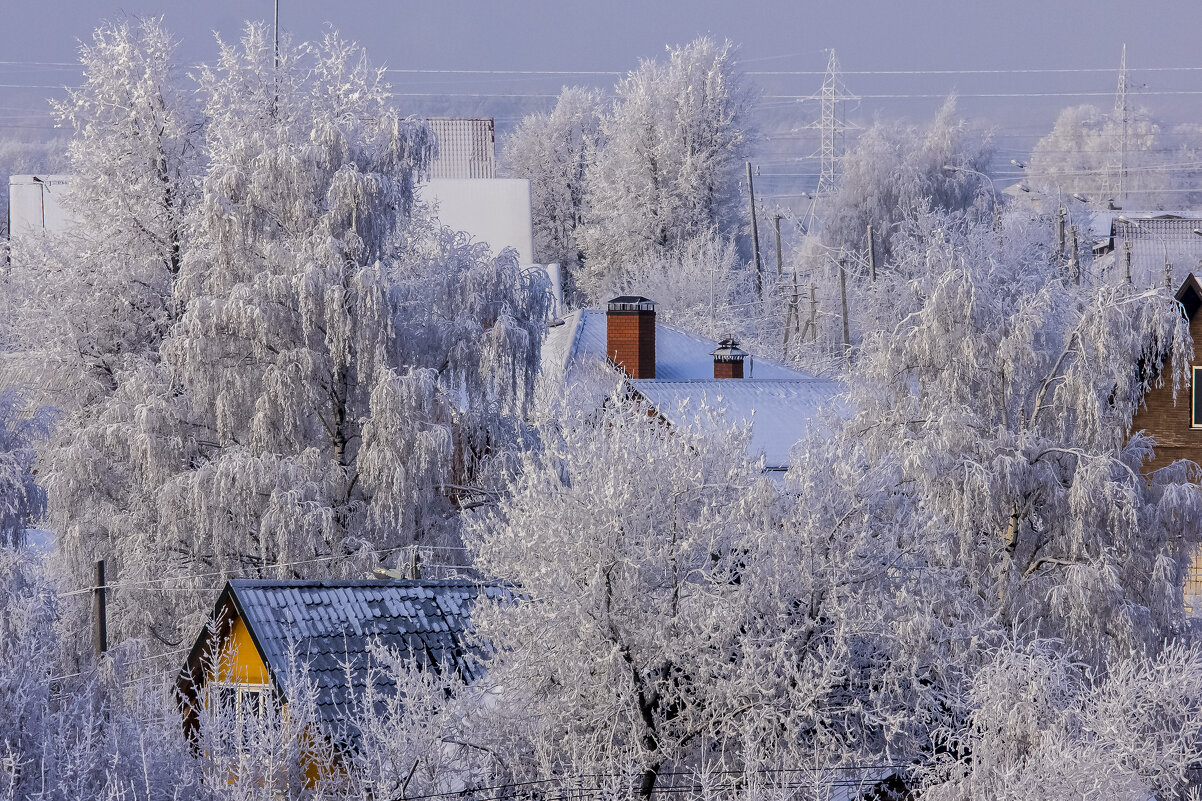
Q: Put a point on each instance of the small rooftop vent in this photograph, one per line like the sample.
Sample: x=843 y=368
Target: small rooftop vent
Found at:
x=728 y=359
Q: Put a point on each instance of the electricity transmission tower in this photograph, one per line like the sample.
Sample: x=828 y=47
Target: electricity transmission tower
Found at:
x=1122 y=115
x=831 y=124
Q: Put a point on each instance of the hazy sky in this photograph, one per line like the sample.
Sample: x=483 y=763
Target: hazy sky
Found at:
x=900 y=57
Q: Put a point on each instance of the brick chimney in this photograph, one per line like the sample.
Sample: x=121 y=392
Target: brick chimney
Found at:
x=728 y=359
x=630 y=335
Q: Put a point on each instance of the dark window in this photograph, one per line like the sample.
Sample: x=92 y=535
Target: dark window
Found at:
x=1196 y=418
x=227 y=700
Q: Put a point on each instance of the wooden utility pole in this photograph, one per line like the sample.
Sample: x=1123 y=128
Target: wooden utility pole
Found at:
x=780 y=261
x=843 y=293
x=755 y=238
x=101 y=613
x=813 y=324
x=791 y=313
x=871 y=257
x=1060 y=212
x=1074 y=266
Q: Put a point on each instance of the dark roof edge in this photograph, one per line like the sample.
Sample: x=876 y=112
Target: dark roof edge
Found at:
x=367 y=582
x=228 y=597
x=1190 y=287
x=191 y=676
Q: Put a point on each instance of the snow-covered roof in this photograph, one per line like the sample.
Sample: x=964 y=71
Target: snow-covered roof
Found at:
x=779 y=403
x=779 y=410
x=679 y=355
x=330 y=626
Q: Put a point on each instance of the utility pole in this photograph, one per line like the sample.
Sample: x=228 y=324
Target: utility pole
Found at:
x=1127 y=259
x=755 y=238
x=790 y=313
x=276 y=32
x=1074 y=266
x=100 y=612
x=843 y=293
x=871 y=256
x=780 y=263
x=1060 y=233
x=813 y=324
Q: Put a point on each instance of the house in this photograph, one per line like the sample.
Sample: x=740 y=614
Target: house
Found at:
x=1153 y=248
x=1176 y=423
x=469 y=196
x=265 y=635
x=677 y=373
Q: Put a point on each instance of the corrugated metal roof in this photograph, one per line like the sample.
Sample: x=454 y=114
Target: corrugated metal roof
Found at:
x=779 y=411
x=465 y=148
x=329 y=627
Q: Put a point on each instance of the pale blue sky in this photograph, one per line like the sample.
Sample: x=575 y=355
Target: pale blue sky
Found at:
x=872 y=38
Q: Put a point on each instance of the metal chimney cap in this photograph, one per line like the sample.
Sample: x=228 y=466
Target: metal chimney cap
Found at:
x=728 y=351
x=631 y=303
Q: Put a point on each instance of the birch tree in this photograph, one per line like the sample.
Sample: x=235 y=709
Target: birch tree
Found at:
x=338 y=369
x=553 y=152
x=1044 y=727
x=679 y=616
x=668 y=172
x=1004 y=396
x=21 y=498
x=99 y=295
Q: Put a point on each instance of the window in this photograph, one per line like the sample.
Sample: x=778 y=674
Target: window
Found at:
x=1196 y=413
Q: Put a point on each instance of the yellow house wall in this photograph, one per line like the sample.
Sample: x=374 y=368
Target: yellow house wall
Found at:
x=239 y=660
x=239 y=663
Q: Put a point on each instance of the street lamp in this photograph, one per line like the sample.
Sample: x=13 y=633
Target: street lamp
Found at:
x=997 y=213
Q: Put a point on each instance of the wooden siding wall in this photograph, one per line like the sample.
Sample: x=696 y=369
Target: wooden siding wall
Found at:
x=1168 y=422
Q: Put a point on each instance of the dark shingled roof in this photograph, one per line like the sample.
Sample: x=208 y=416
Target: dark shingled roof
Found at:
x=330 y=625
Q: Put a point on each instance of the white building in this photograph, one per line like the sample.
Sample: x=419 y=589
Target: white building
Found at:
x=35 y=203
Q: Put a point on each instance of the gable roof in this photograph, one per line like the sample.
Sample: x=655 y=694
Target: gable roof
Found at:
x=679 y=355
x=1190 y=295
x=779 y=411
x=330 y=626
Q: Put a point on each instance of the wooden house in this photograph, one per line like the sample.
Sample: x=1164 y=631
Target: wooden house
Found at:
x=1175 y=423
x=262 y=632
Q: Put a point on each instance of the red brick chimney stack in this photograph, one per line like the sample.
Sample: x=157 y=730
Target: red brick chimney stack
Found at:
x=728 y=359
x=630 y=335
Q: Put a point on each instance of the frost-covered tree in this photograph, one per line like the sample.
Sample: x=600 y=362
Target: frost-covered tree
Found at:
x=1083 y=154
x=1043 y=726
x=1003 y=399
x=21 y=499
x=553 y=151
x=105 y=733
x=337 y=370
x=100 y=295
x=893 y=174
x=679 y=616
x=668 y=170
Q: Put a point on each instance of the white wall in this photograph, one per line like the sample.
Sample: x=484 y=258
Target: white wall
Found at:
x=492 y=210
x=36 y=205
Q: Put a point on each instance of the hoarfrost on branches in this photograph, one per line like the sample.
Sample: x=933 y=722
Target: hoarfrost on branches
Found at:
x=337 y=368
x=667 y=172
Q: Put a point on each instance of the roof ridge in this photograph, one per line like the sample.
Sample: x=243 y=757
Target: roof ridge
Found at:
x=365 y=582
